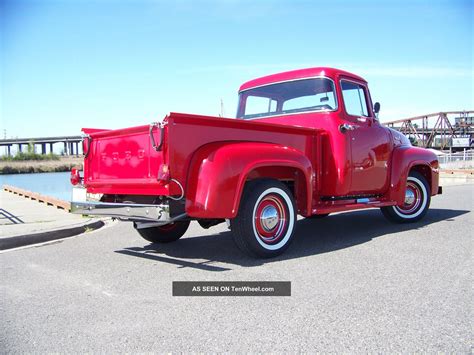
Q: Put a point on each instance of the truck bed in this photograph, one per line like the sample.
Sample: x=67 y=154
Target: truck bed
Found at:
x=123 y=161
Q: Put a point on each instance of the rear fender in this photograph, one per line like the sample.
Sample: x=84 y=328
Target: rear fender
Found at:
x=218 y=172
x=407 y=158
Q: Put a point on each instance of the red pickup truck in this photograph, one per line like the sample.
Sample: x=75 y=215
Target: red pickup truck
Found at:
x=304 y=142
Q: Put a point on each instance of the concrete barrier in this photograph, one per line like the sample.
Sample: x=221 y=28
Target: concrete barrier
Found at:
x=457 y=171
x=456 y=177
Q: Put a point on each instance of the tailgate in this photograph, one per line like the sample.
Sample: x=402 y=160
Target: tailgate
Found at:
x=123 y=161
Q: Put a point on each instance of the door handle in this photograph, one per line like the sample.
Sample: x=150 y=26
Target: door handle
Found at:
x=347 y=127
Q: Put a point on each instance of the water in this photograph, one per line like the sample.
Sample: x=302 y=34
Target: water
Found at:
x=49 y=184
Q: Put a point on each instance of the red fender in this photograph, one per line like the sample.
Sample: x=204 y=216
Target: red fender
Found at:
x=404 y=159
x=218 y=172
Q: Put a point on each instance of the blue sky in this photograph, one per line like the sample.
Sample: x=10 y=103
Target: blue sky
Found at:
x=110 y=64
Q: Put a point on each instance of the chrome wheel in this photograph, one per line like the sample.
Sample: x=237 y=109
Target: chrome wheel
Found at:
x=415 y=204
x=270 y=219
x=413 y=198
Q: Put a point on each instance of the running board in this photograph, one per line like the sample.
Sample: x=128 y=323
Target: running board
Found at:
x=359 y=198
x=334 y=207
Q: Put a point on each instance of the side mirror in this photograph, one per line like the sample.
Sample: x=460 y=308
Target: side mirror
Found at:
x=376 y=107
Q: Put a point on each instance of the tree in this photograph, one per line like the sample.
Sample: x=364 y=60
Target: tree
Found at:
x=413 y=140
x=31 y=147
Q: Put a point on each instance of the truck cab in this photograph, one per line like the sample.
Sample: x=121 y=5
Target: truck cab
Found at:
x=356 y=149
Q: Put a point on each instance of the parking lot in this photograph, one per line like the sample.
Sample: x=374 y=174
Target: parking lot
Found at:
x=359 y=284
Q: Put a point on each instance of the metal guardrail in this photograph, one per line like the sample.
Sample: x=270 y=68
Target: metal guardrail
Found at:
x=460 y=160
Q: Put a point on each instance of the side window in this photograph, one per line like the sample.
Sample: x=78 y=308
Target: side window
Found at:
x=354 y=97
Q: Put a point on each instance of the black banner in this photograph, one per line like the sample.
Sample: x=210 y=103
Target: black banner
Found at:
x=231 y=288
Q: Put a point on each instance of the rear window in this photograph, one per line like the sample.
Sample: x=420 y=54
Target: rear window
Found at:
x=305 y=95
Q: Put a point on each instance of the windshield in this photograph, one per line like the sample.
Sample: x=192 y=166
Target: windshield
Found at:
x=316 y=94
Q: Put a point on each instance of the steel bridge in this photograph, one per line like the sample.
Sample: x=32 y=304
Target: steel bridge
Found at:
x=436 y=130
x=71 y=144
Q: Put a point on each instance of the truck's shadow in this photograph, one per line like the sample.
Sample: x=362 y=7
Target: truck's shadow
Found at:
x=312 y=237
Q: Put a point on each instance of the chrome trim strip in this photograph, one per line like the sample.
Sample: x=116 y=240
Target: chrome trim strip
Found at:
x=154 y=213
x=288 y=81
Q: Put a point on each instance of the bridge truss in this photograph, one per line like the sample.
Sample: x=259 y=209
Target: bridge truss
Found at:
x=436 y=130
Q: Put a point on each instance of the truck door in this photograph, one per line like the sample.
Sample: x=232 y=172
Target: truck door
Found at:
x=369 y=141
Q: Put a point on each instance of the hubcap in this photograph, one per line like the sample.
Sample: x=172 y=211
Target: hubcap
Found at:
x=271 y=219
x=413 y=199
x=409 y=197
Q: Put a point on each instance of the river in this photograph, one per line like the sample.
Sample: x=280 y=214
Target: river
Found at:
x=49 y=184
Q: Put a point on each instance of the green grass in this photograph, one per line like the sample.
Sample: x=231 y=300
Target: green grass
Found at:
x=30 y=156
x=7 y=169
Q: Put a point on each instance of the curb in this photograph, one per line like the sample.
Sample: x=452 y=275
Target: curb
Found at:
x=49 y=201
x=28 y=239
x=460 y=172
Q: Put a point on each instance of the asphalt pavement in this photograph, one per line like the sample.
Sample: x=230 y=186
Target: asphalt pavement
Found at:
x=359 y=284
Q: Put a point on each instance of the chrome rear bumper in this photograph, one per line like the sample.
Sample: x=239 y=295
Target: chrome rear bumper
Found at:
x=126 y=211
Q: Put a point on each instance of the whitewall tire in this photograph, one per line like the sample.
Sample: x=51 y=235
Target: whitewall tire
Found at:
x=265 y=224
x=416 y=203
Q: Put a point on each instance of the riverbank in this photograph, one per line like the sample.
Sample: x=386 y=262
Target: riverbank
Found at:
x=39 y=166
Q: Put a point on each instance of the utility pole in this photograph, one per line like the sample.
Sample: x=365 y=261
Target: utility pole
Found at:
x=222 y=109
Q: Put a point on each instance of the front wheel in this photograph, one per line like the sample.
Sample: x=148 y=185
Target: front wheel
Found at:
x=266 y=220
x=164 y=234
x=416 y=204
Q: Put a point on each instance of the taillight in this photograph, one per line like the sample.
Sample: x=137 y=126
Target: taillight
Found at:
x=75 y=176
x=163 y=173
